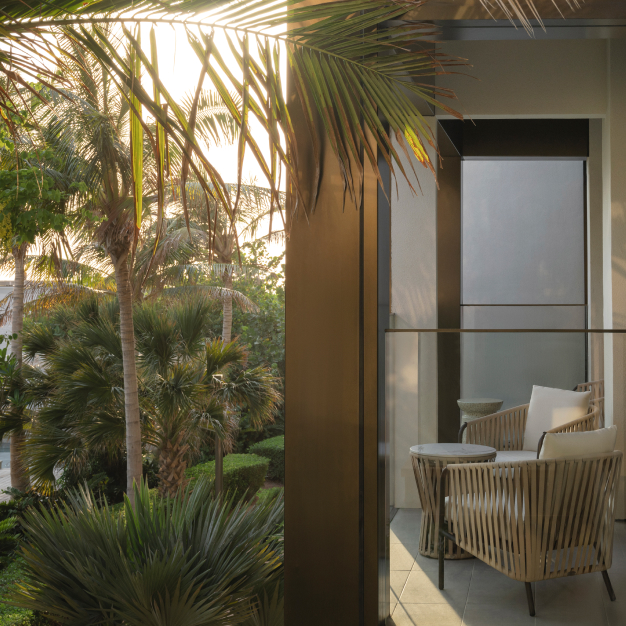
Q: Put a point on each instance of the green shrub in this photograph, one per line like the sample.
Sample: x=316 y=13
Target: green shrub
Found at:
x=265 y=495
x=274 y=450
x=244 y=474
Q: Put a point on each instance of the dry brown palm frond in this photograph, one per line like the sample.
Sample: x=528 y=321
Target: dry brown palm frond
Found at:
x=214 y=292
x=41 y=297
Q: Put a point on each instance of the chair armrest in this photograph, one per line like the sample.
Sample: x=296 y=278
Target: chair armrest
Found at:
x=503 y=430
x=586 y=423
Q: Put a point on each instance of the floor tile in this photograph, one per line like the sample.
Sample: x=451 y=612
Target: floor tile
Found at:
x=427 y=564
x=493 y=587
x=589 y=616
x=619 y=557
x=499 y=614
x=402 y=555
x=618 y=582
x=423 y=588
x=398 y=581
x=402 y=535
x=615 y=613
x=480 y=595
x=569 y=594
x=426 y=615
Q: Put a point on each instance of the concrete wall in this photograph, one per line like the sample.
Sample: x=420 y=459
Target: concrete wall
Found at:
x=530 y=78
x=523 y=79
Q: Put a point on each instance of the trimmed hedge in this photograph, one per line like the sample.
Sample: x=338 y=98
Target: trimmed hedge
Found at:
x=265 y=495
x=244 y=474
x=274 y=450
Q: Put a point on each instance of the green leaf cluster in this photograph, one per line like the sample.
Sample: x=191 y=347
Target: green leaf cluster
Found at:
x=274 y=450
x=185 y=560
x=244 y=474
x=31 y=205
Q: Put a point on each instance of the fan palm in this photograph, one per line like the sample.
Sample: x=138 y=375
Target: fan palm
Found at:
x=190 y=560
x=184 y=383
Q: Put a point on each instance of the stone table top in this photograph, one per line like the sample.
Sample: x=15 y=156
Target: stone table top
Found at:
x=453 y=450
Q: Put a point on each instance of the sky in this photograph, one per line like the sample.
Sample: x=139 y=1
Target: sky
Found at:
x=179 y=70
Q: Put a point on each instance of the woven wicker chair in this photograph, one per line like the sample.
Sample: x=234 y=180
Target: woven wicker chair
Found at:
x=533 y=520
x=597 y=396
x=504 y=431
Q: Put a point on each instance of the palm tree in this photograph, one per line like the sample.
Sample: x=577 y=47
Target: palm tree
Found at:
x=37 y=202
x=204 y=243
x=95 y=120
x=185 y=380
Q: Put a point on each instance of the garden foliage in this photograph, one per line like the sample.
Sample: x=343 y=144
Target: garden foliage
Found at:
x=244 y=474
x=189 y=560
x=274 y=450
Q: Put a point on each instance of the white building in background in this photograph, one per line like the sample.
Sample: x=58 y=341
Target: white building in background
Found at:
x=6 y=287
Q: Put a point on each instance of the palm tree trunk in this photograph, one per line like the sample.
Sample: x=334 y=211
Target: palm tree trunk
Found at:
x=227 y=309
x=172 y=466
x=19 y=473
x=227 y=330
x=131 y=395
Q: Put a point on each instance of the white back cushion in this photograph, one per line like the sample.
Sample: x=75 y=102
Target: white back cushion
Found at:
x=550 y=408
x=578 y=445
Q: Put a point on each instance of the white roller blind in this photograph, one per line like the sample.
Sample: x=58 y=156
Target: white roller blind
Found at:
x=523 y=232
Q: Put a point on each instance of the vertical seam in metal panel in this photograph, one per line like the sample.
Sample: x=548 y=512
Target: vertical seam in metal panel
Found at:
x=362 y=378
x=362 y=403
x=383 y=275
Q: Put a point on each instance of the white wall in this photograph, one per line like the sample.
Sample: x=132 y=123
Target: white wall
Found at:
x=615 y=274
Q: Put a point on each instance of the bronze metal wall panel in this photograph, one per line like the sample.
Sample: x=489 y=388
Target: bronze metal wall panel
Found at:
x=322 y=414
x=331 y=397
x=371 y=608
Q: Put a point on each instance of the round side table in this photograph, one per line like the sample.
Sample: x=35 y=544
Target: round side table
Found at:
x=428 y=462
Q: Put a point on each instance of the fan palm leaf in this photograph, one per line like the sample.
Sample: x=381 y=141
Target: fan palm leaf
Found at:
x=186 y=560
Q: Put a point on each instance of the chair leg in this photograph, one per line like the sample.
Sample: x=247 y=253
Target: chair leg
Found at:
x=440 y=555
x=609 y=586
x=531 y=600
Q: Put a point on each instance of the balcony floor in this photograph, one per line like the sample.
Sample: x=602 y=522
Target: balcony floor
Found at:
x=478 y=595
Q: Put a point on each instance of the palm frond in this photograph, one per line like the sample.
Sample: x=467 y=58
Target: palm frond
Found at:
x=41 y=297
x=214 y=291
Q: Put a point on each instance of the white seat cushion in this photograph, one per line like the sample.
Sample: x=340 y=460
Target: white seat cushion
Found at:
x=512 y=456
x=578 y=445
x=550 y=408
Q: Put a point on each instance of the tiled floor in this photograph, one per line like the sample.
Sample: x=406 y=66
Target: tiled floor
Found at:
x=477 y=595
